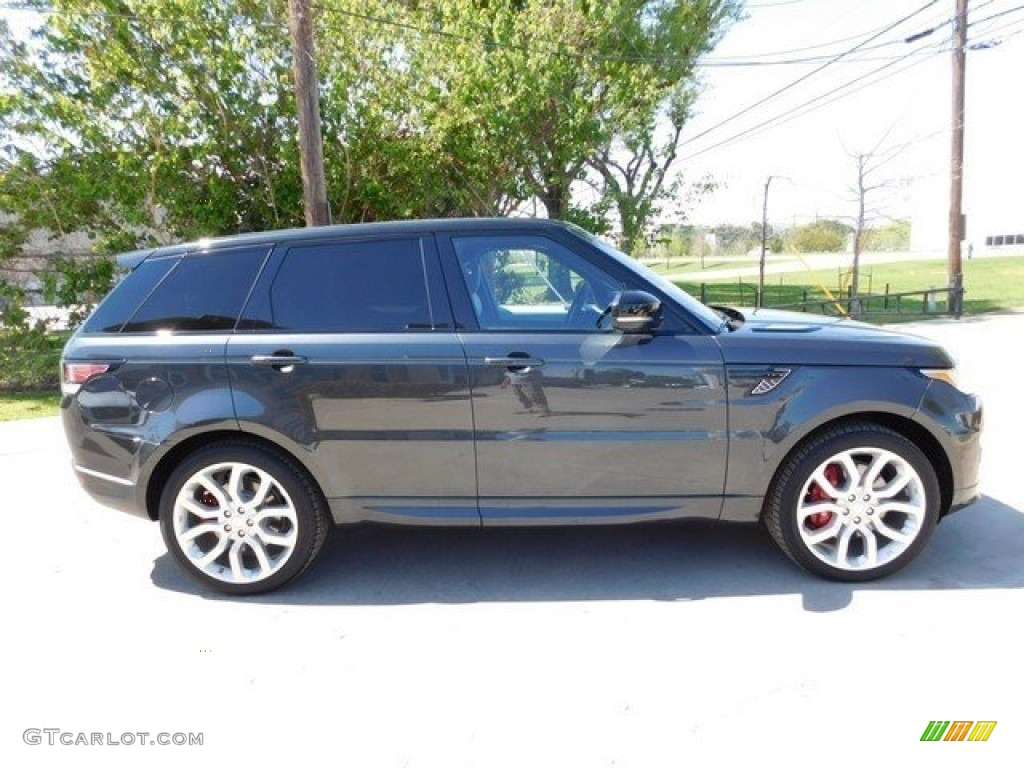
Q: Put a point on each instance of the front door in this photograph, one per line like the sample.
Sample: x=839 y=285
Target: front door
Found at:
x=575 y=421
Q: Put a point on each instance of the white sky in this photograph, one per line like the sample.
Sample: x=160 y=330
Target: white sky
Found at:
x=910 y=106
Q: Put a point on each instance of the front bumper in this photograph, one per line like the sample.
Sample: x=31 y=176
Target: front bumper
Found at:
x=957 y=420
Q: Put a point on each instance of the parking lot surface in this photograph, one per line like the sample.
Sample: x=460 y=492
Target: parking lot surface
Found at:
x=670 y=645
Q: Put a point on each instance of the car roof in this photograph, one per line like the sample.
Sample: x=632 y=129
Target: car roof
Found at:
x=346 y=230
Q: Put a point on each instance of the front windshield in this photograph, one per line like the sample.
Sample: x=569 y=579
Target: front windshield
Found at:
x=703 y=313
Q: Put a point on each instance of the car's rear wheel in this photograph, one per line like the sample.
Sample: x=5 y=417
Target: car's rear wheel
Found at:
x=855 y=503
x=242 y=519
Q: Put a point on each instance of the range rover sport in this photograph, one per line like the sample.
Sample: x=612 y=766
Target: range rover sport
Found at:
x=250 y=392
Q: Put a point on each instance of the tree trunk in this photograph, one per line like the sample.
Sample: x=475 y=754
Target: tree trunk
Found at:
x=554 y=199
x=858 y=238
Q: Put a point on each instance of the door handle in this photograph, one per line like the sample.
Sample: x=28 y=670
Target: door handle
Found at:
x=279 y=361
x=514 y=362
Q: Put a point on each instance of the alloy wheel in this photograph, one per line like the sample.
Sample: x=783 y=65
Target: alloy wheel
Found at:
x=861 y=508
x=235 y=522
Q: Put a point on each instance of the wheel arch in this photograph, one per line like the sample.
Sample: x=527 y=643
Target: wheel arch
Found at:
x=167 y=463
x=906 y=427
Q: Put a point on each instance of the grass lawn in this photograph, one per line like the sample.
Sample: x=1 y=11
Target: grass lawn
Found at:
x=28 y=405
x=991 y=285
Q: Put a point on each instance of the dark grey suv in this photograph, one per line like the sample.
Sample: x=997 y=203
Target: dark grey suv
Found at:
x=248 y=392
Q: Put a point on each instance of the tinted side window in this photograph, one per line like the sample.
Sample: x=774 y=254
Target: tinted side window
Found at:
x=122 y=302
x=204 y=293
x=367 y=286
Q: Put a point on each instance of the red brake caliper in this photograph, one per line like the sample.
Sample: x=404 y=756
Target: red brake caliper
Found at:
x=817 y=493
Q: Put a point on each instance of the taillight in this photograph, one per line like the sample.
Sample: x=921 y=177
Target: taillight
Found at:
x=76 y=374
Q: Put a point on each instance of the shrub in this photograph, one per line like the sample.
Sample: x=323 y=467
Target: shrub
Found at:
x=29 y=359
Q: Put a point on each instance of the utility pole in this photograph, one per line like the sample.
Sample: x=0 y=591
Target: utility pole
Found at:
x=307 y=102
x=764 y=244
x=956 y=219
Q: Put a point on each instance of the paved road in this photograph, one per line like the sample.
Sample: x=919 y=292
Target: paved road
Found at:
x=682 y=645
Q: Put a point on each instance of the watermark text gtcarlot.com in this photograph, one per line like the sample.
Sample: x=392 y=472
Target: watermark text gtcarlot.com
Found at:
x=57 y=736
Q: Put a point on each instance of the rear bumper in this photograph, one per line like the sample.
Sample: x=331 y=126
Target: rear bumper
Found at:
x=105 y=459
x=111 y=491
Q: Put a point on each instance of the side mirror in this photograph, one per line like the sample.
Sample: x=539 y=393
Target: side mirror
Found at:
x=635 y=312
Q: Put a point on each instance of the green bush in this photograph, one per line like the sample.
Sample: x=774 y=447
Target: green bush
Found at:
x=29 y=359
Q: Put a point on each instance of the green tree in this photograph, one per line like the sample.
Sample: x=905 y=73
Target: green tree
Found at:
x=894 y=236
x=145 y=121
x=478 y=107
x=734 y=240
x=824 y=236
x=650 y=106
x=134 y=118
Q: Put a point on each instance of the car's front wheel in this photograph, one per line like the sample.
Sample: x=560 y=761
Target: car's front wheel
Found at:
x=855 y=503
x=242 y=519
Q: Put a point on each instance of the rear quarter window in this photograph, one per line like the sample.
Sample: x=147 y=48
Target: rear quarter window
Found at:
x=114 y=311
x=204 y=292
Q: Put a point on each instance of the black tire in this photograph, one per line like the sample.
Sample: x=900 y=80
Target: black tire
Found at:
x=900 y=523
x=279 y=516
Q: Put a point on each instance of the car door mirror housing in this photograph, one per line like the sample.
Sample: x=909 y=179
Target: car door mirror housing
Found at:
x=635 y=312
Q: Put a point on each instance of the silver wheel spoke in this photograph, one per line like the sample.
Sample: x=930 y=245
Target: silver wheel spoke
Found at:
x=234 y=486
x=824 y=534
x=235 y=560
x=817 y=507
x=209 y=483
x=196 y=531
x=266 y=484
x=843 y=547
x=853 y=473
x=870 y=549
x=277 y=539
x=826 y=485
x=873 y=471
x=261 y=555
x=214 y=553
x=275 y=513
x=892 y=533
x=197 y=509
x=897 y=484
x=910 y=510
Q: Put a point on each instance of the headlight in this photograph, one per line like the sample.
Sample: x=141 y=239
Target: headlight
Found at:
x=947 y=375
x=951 y=376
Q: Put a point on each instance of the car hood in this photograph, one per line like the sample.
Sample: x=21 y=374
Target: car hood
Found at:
x=772 y=336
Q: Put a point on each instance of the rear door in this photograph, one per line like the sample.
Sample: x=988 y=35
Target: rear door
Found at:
x=347 y=354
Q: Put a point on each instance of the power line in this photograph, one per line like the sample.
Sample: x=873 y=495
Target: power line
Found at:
x=810 y=74
x=831 y=43
x=996 y=15
x=992 y=38
x=820 y=101
x=775 y=4
x=556 y=48
x=716 y=64
x=757 y=59
x=995 y=29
